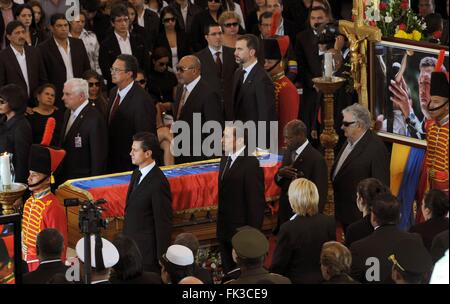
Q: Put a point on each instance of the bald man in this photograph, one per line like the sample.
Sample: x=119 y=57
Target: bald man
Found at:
x=194 y=96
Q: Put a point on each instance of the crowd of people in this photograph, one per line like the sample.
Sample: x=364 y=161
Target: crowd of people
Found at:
x=111 y=82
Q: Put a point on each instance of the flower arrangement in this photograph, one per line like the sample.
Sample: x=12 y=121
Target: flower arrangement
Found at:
x=395 y=18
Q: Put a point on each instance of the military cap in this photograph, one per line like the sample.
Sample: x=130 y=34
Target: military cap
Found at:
x=250 y=243
x=439 y=84
x=410 y=255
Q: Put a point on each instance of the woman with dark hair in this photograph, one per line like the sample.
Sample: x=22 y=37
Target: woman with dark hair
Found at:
x=33 y=35
x=366 y=191
x=161 y=81
x=96 y=91
x=15 y=131
x=172 y=37
x=45 y=96
x=434 y=209
x=129 y=269
x=39 y=15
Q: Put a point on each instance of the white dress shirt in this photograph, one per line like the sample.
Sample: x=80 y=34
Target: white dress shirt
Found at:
x=249 y=69
x=235 y=155
x=300 y=149
x=92 y=48
x=21 y=59
x=124 y=44
x=190 y=87
x=123 y=93
x=67 y=58
x=145 y=171
x=213 y=52
x=74 y=114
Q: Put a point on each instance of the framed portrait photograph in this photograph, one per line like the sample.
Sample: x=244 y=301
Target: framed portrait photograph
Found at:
x=400 y=73
x=10 y=249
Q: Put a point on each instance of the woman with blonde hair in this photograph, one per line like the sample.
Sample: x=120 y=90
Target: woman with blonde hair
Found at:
x=229 y=21
x=335 y=263
x=300 y=240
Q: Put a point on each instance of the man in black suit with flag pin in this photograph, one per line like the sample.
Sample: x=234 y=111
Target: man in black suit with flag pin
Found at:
x=148 y=210
x=241 y=192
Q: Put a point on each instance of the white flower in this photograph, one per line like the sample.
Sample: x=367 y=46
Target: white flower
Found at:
x=373 y=14
x=388 y=19
x=423 y=26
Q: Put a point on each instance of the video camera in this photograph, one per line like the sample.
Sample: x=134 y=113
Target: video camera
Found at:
x=327 y=34
x=90 y=215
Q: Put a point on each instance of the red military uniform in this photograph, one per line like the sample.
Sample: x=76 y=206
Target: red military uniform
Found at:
x=286 y=103
x=436 y=158
x=42 y=210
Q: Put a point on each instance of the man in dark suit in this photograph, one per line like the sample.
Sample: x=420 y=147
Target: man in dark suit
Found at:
x=64 y=57
x=131 y=110
x=370 y=255
x=148 y=210
x=148 y=19
x=241 y=192
x=49 y=247
x=19 y=61
x=364 y=155
x=185 y=11
x=299 y=160
x=218 y=65
x=84 y=134
x=310 y=66
x=121 y=41
x=253 y=91
x=194 y=99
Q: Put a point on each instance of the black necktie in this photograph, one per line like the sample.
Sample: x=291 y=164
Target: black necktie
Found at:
x=239 y=84
x=137 y=179
x=227 y=166
x=219 y=64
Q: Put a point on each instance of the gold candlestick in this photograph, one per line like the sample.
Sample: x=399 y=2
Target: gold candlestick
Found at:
x=8 y=196
x=329 y=137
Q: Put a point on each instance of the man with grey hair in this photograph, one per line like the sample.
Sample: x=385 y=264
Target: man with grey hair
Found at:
x=364 y=155
x=84 y=134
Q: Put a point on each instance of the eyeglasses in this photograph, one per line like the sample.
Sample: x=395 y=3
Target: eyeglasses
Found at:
x=124 y=19
x=142 y=81
x=231 y=24
x=183 y=69
x=94 y=84
x=116 y=70
x=167 y=20
x=348 y=123
x=215 y=1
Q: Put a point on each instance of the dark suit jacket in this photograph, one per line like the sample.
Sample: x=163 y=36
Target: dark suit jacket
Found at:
x=358 y=230
x=241 y=197
x=439 y=245
x=204 y=101
x=429 y=229
x=89 y=159
x=136 y=113
x=380 y=244
x=311 y=165
x=10 y=71
x=255 y=101
x=309 y=66
x=183 y=44
x=369 y=158
x=44 y=273
x=110 y=49
x=151 y=26
x=54 y=64
x=16 y=138
x=148 y=216
x=299 y=243
x=220 y=83
x=192 y=11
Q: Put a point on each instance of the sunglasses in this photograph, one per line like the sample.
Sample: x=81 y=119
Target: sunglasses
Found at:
x=167 y=20
x=94 y=84
x=142 y=81
x=231 y=24
x=348 y=123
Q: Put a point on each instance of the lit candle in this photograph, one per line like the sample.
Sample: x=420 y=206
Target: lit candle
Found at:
x=5 y=169
x=328 y=70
